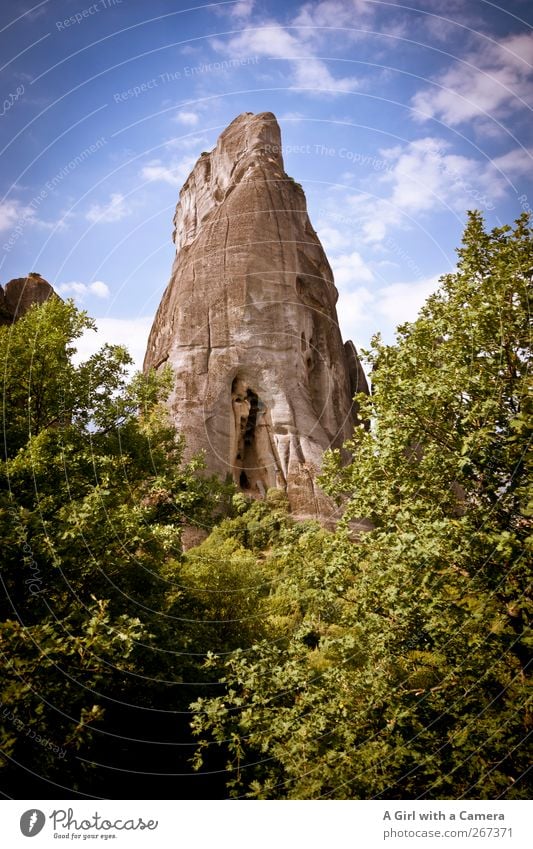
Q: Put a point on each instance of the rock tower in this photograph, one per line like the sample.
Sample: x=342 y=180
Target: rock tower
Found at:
x=264 y=383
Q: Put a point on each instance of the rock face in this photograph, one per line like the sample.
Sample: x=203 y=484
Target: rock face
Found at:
x=248 y=323
x=20 y=294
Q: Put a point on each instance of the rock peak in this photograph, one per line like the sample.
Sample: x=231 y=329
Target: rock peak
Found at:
x=248 y=143
x=20 y=294
x=264 y=383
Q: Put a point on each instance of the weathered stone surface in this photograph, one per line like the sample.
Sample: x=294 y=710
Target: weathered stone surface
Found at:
x=248 y=322
x=20 y=294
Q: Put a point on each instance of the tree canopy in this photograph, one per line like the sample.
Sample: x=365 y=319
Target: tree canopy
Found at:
x=389 y=663
x=93 y=498
x=399 y=666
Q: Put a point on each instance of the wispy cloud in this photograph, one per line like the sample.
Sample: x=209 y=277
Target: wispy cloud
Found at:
x=187 y=117
x=81 y=290
x=425 y=174
x=424 y=177
x=331 y=14
x=364 y=309
x=12 y=212
x=333 y=238
x=350 y=269
x=16 y=216
x=187 y=143
x=515 y=163
x=401 y=302
x=299 y=36
x=242 y=9
x=114 y=210
x=174 y=173
x=490 y=84
x=270 y=39
x=293 y=116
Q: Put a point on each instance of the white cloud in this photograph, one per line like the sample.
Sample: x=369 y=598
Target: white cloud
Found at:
x=12 y=212
x=379 y=217
x=310 y=29
x=515 y=163
x=131 y=332
x=81 y=290
x=372 y=217
x=15 y=217
x=401 y=302
x=175 y=173
x=355 y=312
x=332 y=13
x=518 y=50
x=332 y=238
x=491 y=84
x=445 y=29
x=189 y=119
x=273 y=41
x=425 y=176
x=100 y=289
x=314 y=73
x=363 y=311
x=365 y=305
x=294 y=117
x=241 y=9
x=114 y=210
x=187 y=142
x=349 y=269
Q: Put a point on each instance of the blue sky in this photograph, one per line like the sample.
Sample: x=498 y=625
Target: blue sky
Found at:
x=395 y=118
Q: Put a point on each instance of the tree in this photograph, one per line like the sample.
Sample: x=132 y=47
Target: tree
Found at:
x=403 y=671
x=93 y=496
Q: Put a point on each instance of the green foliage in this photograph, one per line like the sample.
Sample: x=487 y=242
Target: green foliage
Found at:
x=396 y=664
x=390 y=664
x=52 y=674
x=93 y=496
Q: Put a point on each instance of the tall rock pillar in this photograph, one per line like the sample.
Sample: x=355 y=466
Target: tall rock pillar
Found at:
x=264 y=384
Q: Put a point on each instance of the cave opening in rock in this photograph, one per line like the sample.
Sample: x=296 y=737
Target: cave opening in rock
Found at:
x=250 y=445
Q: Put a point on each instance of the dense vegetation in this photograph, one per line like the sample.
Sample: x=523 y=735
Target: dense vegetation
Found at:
x=93 y=495
x=392 y=664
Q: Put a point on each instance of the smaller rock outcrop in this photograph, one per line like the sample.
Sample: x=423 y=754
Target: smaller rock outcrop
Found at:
x=17 y=296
